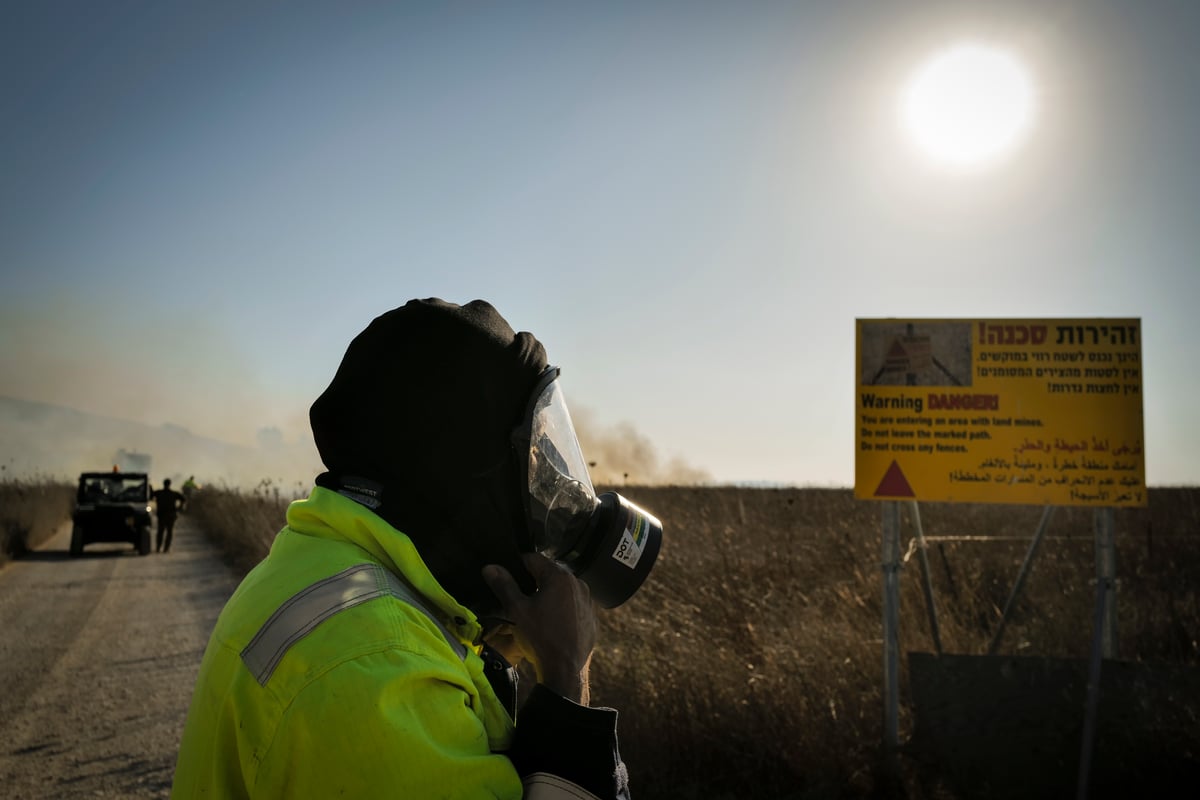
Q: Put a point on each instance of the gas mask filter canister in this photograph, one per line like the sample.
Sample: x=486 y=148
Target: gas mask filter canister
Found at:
x=607 y=542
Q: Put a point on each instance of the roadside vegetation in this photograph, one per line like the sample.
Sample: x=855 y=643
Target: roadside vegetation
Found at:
x=750 y=665
x=242 y=522
x=31 y=510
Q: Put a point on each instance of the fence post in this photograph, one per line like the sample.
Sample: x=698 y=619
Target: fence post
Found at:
x=1022 y=574
x=926 y=580
x=891 y=625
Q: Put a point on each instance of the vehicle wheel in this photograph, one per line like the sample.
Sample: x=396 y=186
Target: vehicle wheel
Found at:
x=144 y=542
x=77 y=541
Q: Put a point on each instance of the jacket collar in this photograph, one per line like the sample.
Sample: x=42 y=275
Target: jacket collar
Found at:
x=330 y=515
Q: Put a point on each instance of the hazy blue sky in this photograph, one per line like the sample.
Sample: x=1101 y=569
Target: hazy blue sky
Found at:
x=689 y=203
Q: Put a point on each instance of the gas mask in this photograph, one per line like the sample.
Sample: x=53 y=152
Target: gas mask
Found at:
x=607 y=542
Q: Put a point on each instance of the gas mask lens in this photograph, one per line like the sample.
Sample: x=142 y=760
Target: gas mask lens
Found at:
x=606 y=541
x=561 y=497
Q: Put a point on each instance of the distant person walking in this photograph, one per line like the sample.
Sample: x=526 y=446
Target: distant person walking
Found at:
x=189 y=486
x=168 y=501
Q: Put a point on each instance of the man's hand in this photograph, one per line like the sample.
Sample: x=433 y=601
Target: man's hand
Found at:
x=555 y=627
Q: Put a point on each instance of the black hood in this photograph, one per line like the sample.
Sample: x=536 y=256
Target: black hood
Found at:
x=417 y=425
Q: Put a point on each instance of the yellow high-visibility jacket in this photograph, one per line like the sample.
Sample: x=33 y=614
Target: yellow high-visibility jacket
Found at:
x=340 y=668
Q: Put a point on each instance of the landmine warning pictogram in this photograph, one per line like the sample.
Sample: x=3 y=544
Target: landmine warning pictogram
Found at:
x=908 y=354
x=1043 y=412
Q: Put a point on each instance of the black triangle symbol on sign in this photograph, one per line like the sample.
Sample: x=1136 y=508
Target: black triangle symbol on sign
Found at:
x=894 y=484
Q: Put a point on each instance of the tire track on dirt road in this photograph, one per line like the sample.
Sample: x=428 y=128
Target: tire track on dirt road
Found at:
x=98 y=656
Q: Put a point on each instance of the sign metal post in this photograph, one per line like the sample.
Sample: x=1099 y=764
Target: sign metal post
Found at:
x=891 y=625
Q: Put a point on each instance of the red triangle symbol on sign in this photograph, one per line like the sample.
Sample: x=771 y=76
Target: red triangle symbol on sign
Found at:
x=894 y=484
x=896 y=350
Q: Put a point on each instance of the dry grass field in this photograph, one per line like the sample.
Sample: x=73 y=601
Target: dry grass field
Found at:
x=750 y=665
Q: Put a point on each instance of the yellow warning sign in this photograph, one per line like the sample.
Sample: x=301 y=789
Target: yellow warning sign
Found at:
x=1044 y=412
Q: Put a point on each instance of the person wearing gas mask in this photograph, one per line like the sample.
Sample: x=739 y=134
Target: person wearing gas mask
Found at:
x=456 y=513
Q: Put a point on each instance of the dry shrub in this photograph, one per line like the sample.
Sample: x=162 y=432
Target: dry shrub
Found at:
x=242 y=523
x=756 y=638
x=31 y=510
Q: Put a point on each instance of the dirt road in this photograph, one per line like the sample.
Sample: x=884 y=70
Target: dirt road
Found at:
x=98 y=655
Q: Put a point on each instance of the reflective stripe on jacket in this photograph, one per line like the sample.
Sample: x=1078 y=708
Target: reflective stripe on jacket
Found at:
x=326 y=677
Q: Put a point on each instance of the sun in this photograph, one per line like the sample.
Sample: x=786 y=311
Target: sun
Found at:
x=968 y=106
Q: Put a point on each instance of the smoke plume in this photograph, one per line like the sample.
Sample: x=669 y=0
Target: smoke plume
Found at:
x=619 y=454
